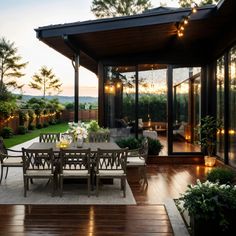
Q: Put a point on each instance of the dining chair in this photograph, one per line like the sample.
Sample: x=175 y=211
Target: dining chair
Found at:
x=99 y=137
x=137 y=158
x=9 y=158
x=38 y=164
x=111 y=164
x=49 y=137
x=75 y=164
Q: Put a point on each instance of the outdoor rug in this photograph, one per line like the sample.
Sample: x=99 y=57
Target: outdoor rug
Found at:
x=11 y=192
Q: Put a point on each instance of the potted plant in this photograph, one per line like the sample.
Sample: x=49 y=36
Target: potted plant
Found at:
x=207 y=131
x=97 y=133
x=154 y=146
x=211 y=207
x=130 y=142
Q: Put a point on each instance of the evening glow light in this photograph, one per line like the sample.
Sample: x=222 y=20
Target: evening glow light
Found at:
x=18 y=19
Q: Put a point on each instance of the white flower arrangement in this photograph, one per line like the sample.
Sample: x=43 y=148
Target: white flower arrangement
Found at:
x=79 y=130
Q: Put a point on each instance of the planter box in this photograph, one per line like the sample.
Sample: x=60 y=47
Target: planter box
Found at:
x=209 y=227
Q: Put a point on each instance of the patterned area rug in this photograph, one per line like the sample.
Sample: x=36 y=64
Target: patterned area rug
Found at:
x=11 y=192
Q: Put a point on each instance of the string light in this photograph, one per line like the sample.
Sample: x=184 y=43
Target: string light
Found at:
x=185 y=20
x=7 y=120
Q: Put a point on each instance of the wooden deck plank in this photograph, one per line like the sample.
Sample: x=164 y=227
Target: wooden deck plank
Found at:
x=147 y=218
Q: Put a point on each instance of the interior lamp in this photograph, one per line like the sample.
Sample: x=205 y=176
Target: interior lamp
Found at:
x=109 y=87
x=209 y=161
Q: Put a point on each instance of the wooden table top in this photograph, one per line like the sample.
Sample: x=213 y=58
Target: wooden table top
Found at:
x=94 y=146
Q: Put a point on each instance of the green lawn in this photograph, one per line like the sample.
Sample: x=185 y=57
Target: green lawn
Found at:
x=20 y=138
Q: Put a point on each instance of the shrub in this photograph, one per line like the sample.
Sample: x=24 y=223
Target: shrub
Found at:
x=131 y=143
x=31 y=127
x=69 y=106
x=6 y=109
x=22 y=129
x=154 y=146
x=39 y=126
x=45 y=124
x=52 y=122
x=7 y=132
x=211 y=202
x=221 y=175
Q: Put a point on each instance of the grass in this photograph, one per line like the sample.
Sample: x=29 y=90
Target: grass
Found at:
x=21 y=138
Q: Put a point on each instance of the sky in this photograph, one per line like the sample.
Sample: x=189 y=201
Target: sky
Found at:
x=19 y=18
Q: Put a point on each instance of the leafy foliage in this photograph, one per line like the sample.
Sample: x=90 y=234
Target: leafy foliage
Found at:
x=93 y=126
x=22 y=117
x=131 y=143
x=112 y=8
x=154 y=105
x=154 y=146
x=10 y=66
x=210 y=201
x=45 y=81
x=31 y=118
x=22 y=129
x=7 y=132
x=188 y=3
x=207 y=130
x=7 y=108
x=221 y=175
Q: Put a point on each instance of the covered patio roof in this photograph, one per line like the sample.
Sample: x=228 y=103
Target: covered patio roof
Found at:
x=150 y=37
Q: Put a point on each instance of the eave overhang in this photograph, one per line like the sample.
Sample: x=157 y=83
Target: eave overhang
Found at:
x=148 y=37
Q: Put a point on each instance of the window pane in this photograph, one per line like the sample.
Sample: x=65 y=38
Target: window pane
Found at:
x=232 y=106
x=119 y=91
x=186 y=109
x=220 y=80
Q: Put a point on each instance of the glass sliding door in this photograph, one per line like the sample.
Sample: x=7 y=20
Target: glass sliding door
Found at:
x=119 y=88
x=232 y=107
x=186 y=109
x=220 y=90
x=152 y=105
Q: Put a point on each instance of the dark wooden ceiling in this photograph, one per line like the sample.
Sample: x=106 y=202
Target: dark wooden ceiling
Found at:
x=145 y=38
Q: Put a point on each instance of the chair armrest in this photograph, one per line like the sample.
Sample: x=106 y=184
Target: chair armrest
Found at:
x=11 y=150
x=7 y=155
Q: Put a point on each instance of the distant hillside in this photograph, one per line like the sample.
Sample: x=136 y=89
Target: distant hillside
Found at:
x=64 y=99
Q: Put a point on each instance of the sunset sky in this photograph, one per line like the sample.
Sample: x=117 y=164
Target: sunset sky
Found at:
x=19 y=18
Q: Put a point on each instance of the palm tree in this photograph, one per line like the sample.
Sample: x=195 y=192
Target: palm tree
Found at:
x=10 y=66
x=45 y=81
x=112 y=8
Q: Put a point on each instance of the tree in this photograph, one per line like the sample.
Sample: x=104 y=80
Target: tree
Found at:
x=10 y=65
x=112 y=8
x=45 y=81
x=188 y=3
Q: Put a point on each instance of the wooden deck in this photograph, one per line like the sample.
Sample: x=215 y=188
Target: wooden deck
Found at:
x=147 y=218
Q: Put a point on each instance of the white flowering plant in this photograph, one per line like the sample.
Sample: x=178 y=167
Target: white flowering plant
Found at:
x=210 y=201
x=79 y=130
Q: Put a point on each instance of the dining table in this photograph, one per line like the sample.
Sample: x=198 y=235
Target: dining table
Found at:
x=73 y=146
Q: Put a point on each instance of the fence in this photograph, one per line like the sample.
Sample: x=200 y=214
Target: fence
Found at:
x=64 y=116
x=84 y=115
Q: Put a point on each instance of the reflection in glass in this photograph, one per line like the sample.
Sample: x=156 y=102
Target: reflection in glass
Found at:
x=186 y=109
x=232 y=106
x=152 y=107
x=220 y=80
x=119 y=88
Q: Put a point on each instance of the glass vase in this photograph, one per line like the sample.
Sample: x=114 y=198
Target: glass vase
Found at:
x=80 y=142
